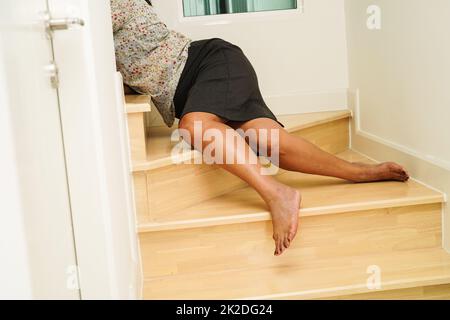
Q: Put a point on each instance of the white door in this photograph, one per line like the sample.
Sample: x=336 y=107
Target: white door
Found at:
x=32 y=103
x=70 y=140
x=96 y=146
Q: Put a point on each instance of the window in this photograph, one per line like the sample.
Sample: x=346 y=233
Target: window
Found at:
x=193 y=8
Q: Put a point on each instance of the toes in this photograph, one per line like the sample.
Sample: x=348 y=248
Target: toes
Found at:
x=399 y=169
x=405 y=174
x=398 y=172
x=286 y=242
x=278 y=245
x=281 y=244
x=402 y=177
x=275 y=238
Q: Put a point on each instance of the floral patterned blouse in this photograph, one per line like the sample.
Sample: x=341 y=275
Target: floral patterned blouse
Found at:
x=149 y=56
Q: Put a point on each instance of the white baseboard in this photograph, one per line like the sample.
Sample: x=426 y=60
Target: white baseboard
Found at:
x=292 y=103
x=431 y=172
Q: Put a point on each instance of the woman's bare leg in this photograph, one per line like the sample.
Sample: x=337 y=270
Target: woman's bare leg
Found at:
x=283 y=201
x=297 y=154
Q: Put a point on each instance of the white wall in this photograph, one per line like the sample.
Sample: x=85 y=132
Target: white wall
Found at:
x=301 y=59
x=402 y=74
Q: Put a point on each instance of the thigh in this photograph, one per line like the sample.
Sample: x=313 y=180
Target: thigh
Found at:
x=257 y=124
x=205 y=117
x=259 y=133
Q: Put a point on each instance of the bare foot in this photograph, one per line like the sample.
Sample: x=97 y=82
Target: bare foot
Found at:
x=382 y=172
x=284 y=208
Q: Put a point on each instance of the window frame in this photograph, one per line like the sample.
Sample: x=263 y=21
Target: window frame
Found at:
x=230 y=18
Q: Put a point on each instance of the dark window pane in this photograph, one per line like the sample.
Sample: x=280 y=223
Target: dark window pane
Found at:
x=194 y=8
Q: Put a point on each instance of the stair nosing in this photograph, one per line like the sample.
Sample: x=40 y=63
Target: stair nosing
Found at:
x=344 y=114
x=167 y=160
x=304 y=212
x=132 y=107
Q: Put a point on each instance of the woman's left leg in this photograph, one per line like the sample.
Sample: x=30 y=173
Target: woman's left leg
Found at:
x=200 y=130
x=297 y=154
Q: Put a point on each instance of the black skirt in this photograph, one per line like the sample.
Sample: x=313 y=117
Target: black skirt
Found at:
x=219 y=79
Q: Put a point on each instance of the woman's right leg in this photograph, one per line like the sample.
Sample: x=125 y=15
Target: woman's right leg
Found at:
x=298 y=154
x=283 y=201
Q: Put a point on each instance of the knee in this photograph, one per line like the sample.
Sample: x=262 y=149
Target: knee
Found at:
x=279 y=145
x=186 y=129
x=186 y=123
x=193 y=126
x=198 y=119
x=283 y=149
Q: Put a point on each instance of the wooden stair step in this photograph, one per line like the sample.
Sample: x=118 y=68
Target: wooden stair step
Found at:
x=136 y=106
x=321 y=195
x=138 y=103
x=331 y=279
x=330 y=257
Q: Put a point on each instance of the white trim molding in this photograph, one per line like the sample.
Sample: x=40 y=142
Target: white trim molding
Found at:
x=432 y=172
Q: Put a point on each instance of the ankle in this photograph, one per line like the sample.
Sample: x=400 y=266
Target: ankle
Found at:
x=279 y=191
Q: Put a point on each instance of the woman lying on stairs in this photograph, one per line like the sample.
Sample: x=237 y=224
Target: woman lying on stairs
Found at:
x=210 y=86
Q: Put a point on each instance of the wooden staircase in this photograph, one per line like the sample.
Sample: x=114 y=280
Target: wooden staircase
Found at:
x=205 y=235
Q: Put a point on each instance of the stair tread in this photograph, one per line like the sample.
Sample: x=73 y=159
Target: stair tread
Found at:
x=136 y=103
x=293 y=277
x=320 y=195
x=159 y=146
